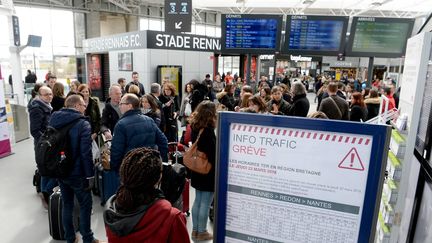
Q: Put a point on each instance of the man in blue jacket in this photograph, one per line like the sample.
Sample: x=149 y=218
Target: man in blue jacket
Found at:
x=135 y=130
x=80 y=181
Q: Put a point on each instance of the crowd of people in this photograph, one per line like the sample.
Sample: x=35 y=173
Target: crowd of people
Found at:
x=142 y=124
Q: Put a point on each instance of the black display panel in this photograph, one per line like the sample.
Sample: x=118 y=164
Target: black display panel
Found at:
x=379 y=37
x=315 y=35
x=251 y=33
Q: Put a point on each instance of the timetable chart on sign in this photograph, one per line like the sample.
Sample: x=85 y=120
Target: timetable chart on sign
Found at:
x=318 y=35
x=278 y=191
x=244 y=33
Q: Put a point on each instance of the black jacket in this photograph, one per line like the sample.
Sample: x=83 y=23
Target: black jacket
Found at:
x=300 y=106
x=283 y=106
x=228 y=101
x=357 y=112
x=162 y=122
x=93 y=112
x=206 y=144
x=40 y=114
x=140 y=86
x=199 y=93
x=109 y=117
x=57 y=103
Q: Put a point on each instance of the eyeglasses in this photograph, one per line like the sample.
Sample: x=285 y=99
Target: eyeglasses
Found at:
x=48 y=94
x=124 y=103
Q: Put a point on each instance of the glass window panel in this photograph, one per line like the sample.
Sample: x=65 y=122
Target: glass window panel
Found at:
x=144 y=24
x=210 y=31
x=218 y=32
x=200 y=29
x=155 y=24
x=62 y=31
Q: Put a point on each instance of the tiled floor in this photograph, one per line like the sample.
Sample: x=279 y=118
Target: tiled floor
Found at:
x=22 y=217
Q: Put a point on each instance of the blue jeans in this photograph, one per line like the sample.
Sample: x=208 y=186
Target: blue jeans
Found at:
x=200 y=210
x=70 y=187
x=48 y=184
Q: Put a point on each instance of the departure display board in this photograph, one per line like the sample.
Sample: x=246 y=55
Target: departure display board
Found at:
x=244 y=33
x=379 y=37
x=321 y=35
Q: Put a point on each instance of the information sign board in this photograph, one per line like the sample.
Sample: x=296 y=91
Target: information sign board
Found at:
x=178 y=15
x=320 y=35
x=284 y=179
x=379 y=37
x=251 y=33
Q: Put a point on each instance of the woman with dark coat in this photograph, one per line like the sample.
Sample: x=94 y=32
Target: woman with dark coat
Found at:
x=277 y=105
x=226 y=97
x=170 y=108
x=300 y=105
x=58 y=100
x=150 y=108
x=203 y=121
x=92 y=109
x=373 y=104
x=358 y=108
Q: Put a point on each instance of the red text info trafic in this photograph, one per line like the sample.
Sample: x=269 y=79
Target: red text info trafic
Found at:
x=257 y=145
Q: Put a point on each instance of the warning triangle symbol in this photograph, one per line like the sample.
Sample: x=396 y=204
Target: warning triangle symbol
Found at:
x=352 y=161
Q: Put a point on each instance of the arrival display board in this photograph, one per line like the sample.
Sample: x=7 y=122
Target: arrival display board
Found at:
x=379 y=37
x=283 y=179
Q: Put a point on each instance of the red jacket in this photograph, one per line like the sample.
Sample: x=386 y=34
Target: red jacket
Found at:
x=160 y=223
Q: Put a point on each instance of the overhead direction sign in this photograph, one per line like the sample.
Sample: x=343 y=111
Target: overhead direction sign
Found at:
x=178 y=15
x=16 y=30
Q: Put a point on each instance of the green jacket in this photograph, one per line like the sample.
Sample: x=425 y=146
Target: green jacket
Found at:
x=93 y=112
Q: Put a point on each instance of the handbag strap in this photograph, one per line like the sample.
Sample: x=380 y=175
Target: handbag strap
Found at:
x=337 y=107
x=199 y=135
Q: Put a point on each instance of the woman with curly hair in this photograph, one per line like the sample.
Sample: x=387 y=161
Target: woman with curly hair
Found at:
x=139 y=212
x=170 y=109
x=203 y=123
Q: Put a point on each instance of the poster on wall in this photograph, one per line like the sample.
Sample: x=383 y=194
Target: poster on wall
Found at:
x=171 y=74
x=125 y=61
x=5 y=146
x=94 y=72
x=277 y=181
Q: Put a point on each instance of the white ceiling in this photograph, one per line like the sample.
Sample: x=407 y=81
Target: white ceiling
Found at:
x=377 y=8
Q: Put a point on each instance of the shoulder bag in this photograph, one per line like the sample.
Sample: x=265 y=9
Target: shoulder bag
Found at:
x=196 y=160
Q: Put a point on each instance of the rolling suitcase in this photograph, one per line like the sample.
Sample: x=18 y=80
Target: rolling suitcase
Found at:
x=37 y=181
x=55 y=216
x=97 y=186
x=109 y=183
x=185 y=197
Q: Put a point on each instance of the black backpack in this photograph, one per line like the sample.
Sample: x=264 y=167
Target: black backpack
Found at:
x=53 y=152
x=173 y=181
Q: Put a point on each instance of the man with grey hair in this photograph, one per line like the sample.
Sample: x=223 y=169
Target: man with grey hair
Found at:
x=155 y=91
x=111 y=112
x=300 y=105
x=135 y=130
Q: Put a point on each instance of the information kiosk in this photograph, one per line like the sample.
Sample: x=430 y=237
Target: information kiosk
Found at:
x=285 y=179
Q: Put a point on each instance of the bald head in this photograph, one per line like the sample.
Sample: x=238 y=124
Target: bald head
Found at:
x=45 y=94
